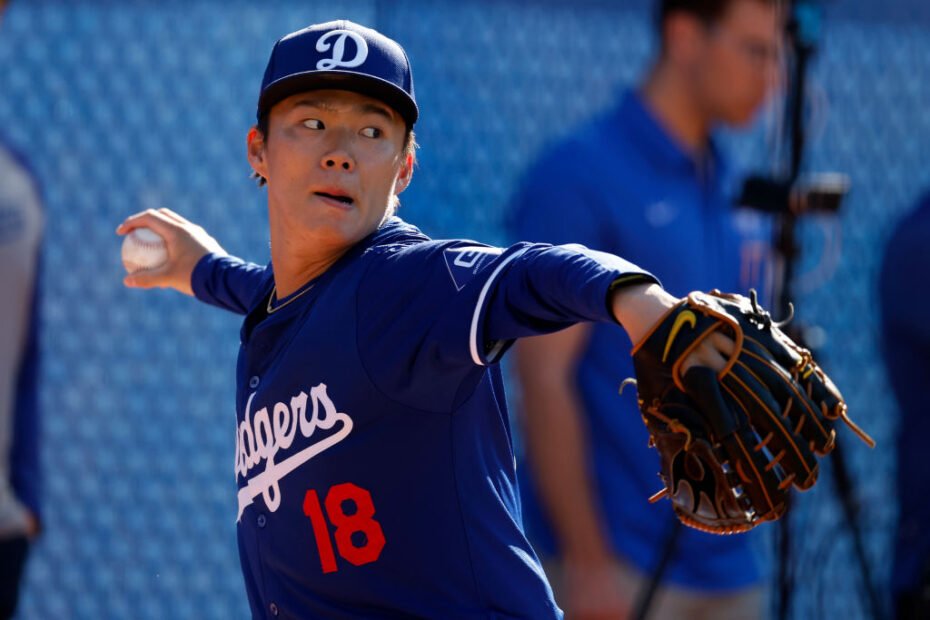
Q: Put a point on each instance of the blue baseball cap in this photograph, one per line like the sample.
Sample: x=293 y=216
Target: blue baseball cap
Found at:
x=341 y=55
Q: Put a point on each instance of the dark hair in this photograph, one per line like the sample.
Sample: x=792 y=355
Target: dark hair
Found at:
x=708 y=11
x=410 y=141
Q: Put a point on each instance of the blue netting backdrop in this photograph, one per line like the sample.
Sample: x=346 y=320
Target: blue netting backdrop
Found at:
x=127 y=105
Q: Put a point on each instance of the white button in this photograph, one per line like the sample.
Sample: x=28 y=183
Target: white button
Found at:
x=274 y=609
x=261 y=520
x=253 y=382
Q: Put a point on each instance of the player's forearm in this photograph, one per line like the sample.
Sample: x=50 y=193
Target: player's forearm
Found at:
x=557 y=449
x=226 y=281
x=547 y=288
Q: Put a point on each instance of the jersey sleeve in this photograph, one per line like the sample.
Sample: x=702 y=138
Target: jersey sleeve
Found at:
x=227 y=282
x=437 y=312
x=543 y=289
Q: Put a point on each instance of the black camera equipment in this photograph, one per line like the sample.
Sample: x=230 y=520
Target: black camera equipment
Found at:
x=789 y=196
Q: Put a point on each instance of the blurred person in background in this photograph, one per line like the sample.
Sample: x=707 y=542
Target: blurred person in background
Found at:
x=21 y=224
x=905 y=335
x=644 y=180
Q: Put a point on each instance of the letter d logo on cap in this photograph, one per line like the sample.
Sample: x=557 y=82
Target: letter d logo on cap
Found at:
x=339 y=50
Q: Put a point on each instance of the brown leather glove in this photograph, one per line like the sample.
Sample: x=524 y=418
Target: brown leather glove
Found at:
x=732 y=443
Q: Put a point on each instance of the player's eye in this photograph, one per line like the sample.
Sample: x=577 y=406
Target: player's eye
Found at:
x=313 y=123
x=372 y=132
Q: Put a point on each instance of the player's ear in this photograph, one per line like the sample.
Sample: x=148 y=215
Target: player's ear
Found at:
x=255 y=150
x=405 y=174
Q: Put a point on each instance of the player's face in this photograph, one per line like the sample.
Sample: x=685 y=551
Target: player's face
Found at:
x=737 y=61
x=333 y=161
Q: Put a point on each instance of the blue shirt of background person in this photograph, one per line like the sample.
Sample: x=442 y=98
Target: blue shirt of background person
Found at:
x=905 y=338
x=645 y=180
x=625 y=186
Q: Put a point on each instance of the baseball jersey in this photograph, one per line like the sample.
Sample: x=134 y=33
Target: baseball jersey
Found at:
x=374 y=459
x=621 y=184
x=21 y=224
x=906 y=346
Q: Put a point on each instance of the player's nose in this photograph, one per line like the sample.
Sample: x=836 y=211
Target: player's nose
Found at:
x=338 y=160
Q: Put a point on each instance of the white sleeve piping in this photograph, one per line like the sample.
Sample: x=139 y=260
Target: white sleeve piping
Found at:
x=473 y=333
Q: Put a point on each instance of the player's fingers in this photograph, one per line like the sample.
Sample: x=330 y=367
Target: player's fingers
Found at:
x=174 y=217
x=722 y=343
x=704 y=355
x=134 y=221
x=150 y=218
x=146 y=278
x=166 y=276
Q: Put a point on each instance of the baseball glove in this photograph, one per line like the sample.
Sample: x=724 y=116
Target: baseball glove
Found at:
x=733 y=442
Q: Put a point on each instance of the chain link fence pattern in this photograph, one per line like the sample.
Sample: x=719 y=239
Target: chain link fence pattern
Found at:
x=128 y=105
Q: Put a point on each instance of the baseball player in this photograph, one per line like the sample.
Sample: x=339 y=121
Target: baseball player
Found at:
x=373 y=455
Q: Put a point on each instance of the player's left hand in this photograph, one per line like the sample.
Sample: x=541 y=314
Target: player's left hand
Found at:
x=735 y=436
x=640 y=308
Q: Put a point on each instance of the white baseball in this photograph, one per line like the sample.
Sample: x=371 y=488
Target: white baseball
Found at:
x=143 y=248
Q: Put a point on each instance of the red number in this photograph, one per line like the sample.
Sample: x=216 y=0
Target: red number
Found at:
x=358 y=520
x=320 y=532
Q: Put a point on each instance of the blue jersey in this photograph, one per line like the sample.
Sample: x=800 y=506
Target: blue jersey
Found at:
x=374 y=460
x=622 y=184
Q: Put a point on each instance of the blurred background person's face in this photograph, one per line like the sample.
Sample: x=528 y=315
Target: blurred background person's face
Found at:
x=734 y=61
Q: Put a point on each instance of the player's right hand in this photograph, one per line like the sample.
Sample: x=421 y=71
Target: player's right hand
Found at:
x=187 y=243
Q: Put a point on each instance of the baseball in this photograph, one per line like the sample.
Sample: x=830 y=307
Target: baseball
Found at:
x=143 y=249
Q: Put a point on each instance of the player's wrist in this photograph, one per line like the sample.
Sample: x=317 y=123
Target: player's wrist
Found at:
x=639 y=307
